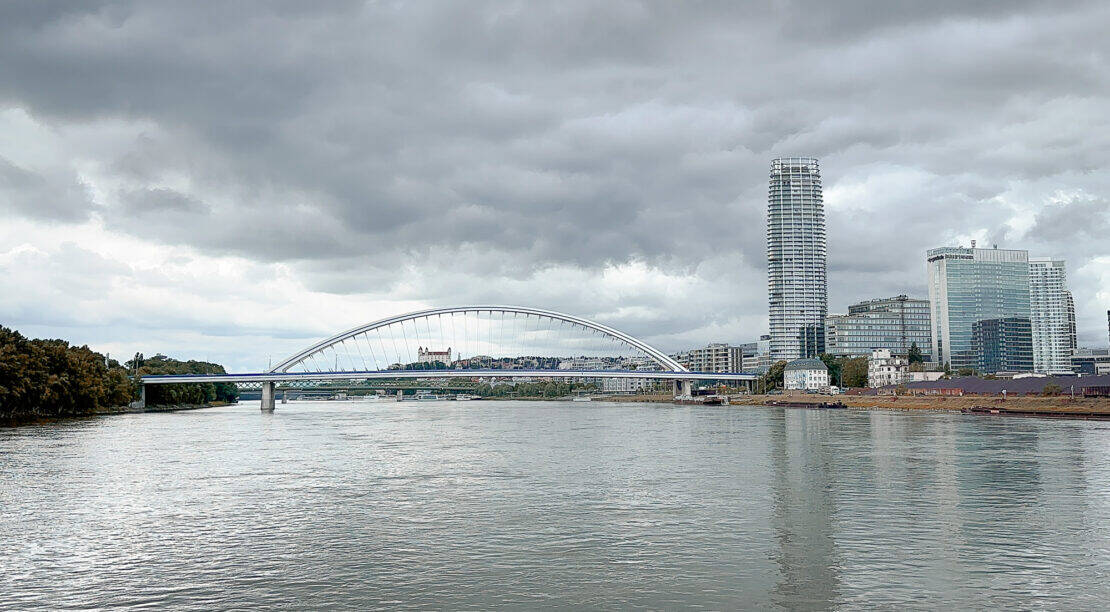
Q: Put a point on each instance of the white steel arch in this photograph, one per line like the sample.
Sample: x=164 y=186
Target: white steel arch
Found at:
x=320 y=348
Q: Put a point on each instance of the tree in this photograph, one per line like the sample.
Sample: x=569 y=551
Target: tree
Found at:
x=50 y=378
x=773 y=379
x=915 y=355
x=853 y=372
x=1052 y=389
x=833 y=364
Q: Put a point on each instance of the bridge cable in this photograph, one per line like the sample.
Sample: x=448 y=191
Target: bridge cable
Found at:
x=454 y=337
x=393 y=341
x=381 y=342
x=366 y=338
x=354 y=340
x=501 y=341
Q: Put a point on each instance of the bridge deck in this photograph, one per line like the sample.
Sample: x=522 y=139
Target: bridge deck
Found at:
x=260 y=377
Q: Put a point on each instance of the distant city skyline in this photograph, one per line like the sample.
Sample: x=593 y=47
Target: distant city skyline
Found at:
x=231 y=182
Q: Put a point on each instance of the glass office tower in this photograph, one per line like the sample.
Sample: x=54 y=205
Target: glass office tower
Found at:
x=979 y=304
x=796 y=259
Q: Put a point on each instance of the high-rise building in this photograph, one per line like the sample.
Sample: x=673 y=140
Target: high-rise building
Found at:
x=1002 y=345
x=797 y=267
x=1048 y=316
x=1073 y=337
x=895 y=324
x=969 y=286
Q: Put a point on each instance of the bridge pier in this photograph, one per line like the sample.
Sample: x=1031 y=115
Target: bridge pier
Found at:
x=268 y=396
x=683 y=388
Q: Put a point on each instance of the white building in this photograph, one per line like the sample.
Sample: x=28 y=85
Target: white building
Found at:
x=884 y=369
x=926 y=376
x=1049 y=316
x=806 y=374
x=427 y=355
x=584 y=363
x=797 y=266
x=628 y=385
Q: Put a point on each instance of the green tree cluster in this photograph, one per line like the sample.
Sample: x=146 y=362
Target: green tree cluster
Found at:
x=853 y=371
x=424 y=365
x=550 y=388
x=772 y=379
x=915 y=355
x=846 y=371
x=197 y=393
x=49 y=378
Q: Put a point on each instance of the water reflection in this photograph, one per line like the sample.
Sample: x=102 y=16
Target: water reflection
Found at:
x=534 y=505
x=806 y=554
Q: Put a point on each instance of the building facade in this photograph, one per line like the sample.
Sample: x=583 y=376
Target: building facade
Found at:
x=427 y=355
x=969 y=286
x=1073 y=336
x=886 y=368
x=1090 y=362
x=806 y=375
x=1051 y=313
x=717 y=357
x=1002 y=345
x=628 y=385
x=759 y=361
x=895 y=324
x=797 y=267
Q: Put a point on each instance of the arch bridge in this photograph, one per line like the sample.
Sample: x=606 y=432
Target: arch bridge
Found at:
x=475 y=342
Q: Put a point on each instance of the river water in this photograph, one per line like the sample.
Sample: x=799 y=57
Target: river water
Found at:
x=554 y=505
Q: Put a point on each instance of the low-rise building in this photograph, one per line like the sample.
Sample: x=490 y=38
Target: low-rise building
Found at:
x=585 y=363
x=806 y=374
x=759 y=360
x=1088 y=361
x=923 y=376
x=884 y=368
x=628 y=385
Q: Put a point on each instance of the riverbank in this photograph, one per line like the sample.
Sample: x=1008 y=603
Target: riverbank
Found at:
x=1057 y=404
x=113 y=410
x=1063 y=405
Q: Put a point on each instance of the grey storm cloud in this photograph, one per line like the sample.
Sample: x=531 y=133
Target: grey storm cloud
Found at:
x=353 y=139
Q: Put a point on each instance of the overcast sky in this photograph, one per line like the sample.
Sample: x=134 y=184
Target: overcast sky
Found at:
x=233 y=182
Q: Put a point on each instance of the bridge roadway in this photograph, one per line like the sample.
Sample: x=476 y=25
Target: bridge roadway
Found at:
x=264 y=377
x=682 y=380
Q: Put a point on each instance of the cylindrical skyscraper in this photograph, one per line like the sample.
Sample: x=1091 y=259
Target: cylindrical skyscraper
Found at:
x=797 y=254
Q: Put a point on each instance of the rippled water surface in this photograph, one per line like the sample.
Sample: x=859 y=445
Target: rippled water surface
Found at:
x=554 y=504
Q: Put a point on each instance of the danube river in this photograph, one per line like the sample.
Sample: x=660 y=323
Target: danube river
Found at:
x=554 y=504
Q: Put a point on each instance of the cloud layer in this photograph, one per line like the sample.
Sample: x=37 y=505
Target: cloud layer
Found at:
x=282 y=171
